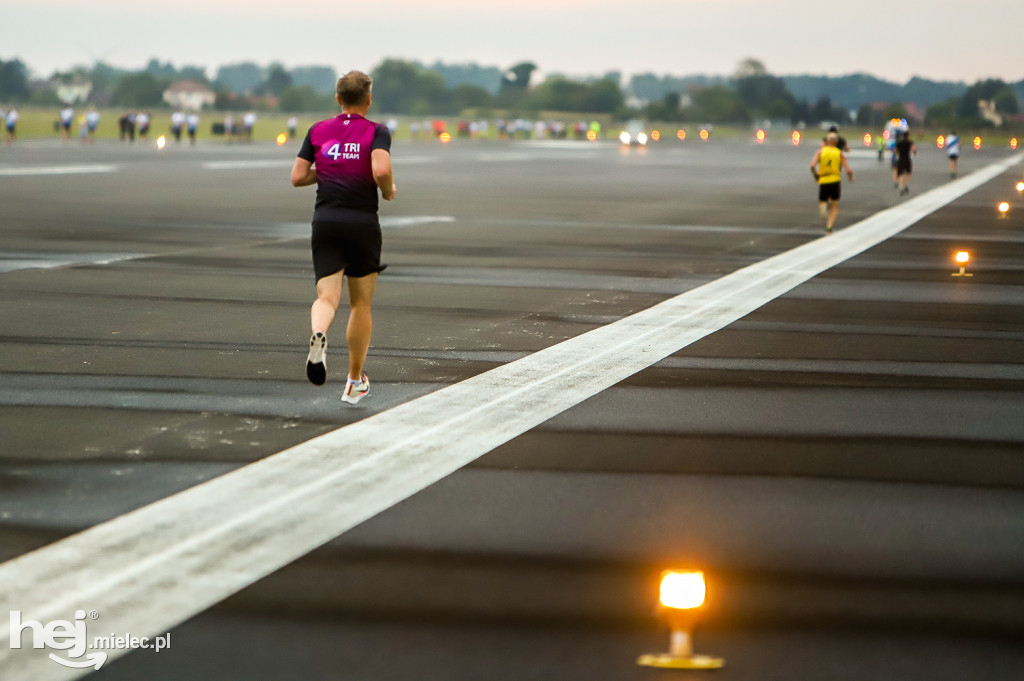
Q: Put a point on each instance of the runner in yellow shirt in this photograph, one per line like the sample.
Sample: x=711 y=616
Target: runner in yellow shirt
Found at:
x=827 y=166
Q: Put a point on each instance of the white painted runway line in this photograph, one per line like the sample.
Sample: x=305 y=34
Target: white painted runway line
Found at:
x=249 y=165
x=23 y=171
x=149 y=570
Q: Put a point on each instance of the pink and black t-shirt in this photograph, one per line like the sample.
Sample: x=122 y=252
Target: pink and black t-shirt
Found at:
x=340 y=148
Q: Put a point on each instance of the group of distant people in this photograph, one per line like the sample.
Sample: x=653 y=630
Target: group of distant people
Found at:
x=830 y=161
x=243 y=131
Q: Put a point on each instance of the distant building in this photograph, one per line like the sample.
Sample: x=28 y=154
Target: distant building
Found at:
x=74 y=91
x=189 y=95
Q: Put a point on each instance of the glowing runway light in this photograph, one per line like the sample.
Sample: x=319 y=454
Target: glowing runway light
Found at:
x=795 y=137
x=977 y=143
x=682 y=593
x=682 y=590
x=760 y=135
x=1003 y=208
x=1013 y=143
x=655 y=135
x=962 y=258
x=867 y=139
x=281 y=139
x=681 y=135
x=161 y=142
x=705 y=135
x=940 y=141
x=591 y=135
x=445 y=137
x=624 y=137
x=1020 y=186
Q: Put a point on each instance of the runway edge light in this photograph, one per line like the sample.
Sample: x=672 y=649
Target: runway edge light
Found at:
x=682 y=594
x=1003 y=208
x=1020 y=186
x=962 y=258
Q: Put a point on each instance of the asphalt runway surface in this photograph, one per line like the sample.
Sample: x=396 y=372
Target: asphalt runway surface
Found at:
x=845 y=461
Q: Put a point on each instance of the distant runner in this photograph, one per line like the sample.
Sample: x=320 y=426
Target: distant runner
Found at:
x=953 y=151
x=352 y=158
x=827 y=166
x=904 y=167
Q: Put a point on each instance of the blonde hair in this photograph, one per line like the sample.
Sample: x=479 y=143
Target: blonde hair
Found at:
x=832 y=138
x=353 y=88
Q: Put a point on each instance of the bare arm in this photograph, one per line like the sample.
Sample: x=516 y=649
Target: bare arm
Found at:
x=382 y=174
x=814 y=163
x=303 y=173
x=849 y=173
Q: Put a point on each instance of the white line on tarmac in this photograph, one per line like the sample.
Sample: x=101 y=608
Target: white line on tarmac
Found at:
x=151 y=569
x=258 y=164
x=57 y=170
x=249 y=165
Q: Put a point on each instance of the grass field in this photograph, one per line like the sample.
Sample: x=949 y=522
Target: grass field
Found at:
x=35 y=123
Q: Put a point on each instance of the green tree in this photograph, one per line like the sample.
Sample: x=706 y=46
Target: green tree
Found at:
x=13 y=80
x=398 y=85
x=241 y=77
x=139 y=90
x=604 y=96
x=718 y=104
x=468 y=96
x=868 y=115
x=982 y=90
x=323 y=79
x=942 y=113
x=300 y=98
x=1005 y=101
x=277 y=80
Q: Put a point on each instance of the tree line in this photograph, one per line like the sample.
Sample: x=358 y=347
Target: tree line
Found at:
x=751 y=94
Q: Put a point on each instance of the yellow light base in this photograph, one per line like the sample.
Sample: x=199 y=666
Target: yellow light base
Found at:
x=670 y=661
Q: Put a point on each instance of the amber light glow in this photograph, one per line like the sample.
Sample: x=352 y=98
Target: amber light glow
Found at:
x=1020 y=186
x=655 y=135
x=760 y=135
x=1013 y=143
x=1004 y=207
x=795 y=137
x=867 y=139
x=977 y=143
x=682 y=590
x=161 y=142
x=281 y=139
x=705 y=135
x=591 y=135
x=940 y=141
x=681 y=134
x=445 y=137
x=962 y=257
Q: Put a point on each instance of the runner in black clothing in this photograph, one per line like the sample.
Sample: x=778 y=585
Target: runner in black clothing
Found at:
x=904 y=167
x=353 y=161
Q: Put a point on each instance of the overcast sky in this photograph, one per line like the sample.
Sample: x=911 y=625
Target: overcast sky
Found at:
x=889 y=39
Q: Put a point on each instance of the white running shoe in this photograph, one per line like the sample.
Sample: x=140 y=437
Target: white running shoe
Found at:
x=356 y=391
x=316 y=363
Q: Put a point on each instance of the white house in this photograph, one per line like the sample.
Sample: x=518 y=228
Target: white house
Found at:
x=189 y=95
x=73 y=92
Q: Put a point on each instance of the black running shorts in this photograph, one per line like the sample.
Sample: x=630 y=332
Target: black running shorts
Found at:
x=903 y=167
x=829 y=191
x=352 y=246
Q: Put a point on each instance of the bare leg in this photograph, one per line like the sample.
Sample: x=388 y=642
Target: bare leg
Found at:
x=833 y=213
x=360 y=322
x=328 y=297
